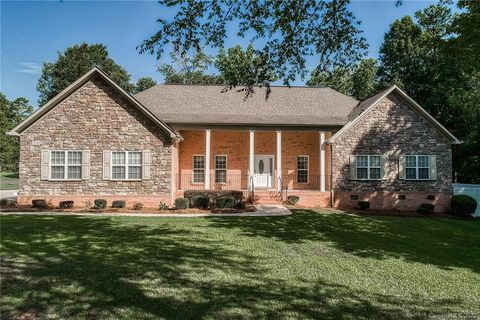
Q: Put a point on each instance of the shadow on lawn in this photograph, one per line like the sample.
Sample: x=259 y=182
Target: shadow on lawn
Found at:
x=72 y=267
x=441 y=242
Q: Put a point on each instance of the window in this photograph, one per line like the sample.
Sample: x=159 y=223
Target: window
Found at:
x=66 y=165
x=126 y=165
x=302 y=169
x=368 y=167
x=417 y=167
x=198 y=169
x=220 y=169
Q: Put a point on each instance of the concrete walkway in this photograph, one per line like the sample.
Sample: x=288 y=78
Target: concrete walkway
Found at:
x=262 y=211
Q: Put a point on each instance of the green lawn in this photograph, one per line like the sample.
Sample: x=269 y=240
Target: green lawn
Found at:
x=8 y=181
x=310 y=265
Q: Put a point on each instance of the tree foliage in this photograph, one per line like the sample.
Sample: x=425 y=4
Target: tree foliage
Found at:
x=245 y=68
x=74 y=63
x=189 y=69
x=143 y=84
x=292 y=30
x=11 y=114
x=360 y=81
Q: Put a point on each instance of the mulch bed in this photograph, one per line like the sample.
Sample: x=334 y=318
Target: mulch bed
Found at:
x=248 y=208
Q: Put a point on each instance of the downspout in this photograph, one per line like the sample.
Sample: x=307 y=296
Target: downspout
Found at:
x=332 y=193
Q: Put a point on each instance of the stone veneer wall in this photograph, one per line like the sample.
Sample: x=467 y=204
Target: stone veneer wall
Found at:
x=392 y=128
x=95 y=118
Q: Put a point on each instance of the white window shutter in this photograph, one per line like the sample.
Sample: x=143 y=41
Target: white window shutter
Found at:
x=353 y=167
x=45 y=165
x=86 y=164
x=383 y=166
x=106 y=165
x=433 y=167
x=147 y=159
x=401 y=167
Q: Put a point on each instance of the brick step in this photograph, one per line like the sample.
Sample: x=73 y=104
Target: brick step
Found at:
x=267 y=197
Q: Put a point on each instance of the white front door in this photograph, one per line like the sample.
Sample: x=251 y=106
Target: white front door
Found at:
x=263 y=174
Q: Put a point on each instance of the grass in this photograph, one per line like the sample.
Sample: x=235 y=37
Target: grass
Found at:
x=8 y=181
x=309 y=265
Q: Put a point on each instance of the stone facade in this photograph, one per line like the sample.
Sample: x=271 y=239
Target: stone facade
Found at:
x=391 y=128
x=96 y=117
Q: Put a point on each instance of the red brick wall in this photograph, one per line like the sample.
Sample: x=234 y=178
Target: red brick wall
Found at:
x=235 y=145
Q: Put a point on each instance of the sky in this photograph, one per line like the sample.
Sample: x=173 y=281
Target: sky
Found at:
x=33 y=32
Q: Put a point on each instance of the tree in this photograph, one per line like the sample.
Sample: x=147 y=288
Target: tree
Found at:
x=291 y=29
x=245 y=68
x=11 y=114
x=189 y=69
x=143 y=84
x=74 y=63
x=360 y=82
x=364 y=79
x=339 y=79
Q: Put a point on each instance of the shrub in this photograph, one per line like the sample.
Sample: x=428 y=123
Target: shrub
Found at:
x=463 y=205
x=364 y=205
x=212 y=195
x=40 y=203
x=137 y=206
x=66 y=204
x=293 y=200
x=163 y=206
x=225 y=202
x=118 y=204
x=200 y=202
x=425 y=208
x=8 y=203
x=181 y=203
x=100 y=203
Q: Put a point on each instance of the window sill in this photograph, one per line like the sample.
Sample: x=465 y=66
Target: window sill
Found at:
x=127 y=180
x=66 y=180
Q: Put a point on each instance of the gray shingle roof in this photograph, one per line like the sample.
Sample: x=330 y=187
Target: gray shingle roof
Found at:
x=365 y=104
x=196 y=104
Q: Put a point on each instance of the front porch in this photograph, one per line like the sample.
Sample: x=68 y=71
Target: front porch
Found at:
x=263 y=161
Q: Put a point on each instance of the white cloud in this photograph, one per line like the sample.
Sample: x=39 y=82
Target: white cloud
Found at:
x=29 y=67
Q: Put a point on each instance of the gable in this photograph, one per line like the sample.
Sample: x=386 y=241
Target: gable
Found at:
x=363 y=110
x=95 y=73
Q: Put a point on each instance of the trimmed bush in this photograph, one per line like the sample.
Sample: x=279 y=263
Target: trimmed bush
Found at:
x=100 y=203
x=463 y=205
x=162 y=206
x=137 y=206
x=8 y=203
x=118 y=204
x=363 y=205
x=66 y=204
x=225 y=202
x=200 y=202
x=40 y=203
x=293 y=200
x=212 y=195
x=181 y=203
x=425 y=208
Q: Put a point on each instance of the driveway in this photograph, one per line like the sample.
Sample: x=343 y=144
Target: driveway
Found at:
x=6 y=194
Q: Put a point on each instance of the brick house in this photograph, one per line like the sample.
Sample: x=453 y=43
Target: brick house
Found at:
x=94 y=140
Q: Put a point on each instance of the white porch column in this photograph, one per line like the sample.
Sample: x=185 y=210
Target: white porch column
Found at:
x=279 y=161
x=322 y=161
x=207 y=158
x=251 y=158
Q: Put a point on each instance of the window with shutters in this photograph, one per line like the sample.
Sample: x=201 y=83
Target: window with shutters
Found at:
x=368 y=167
x=417 y=167
x=220 y=169
x=65 y=165
x=198 y=169
x=302 y=169
x=126 y=165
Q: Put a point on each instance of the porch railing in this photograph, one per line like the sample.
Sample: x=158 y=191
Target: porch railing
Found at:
x=233 y=181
